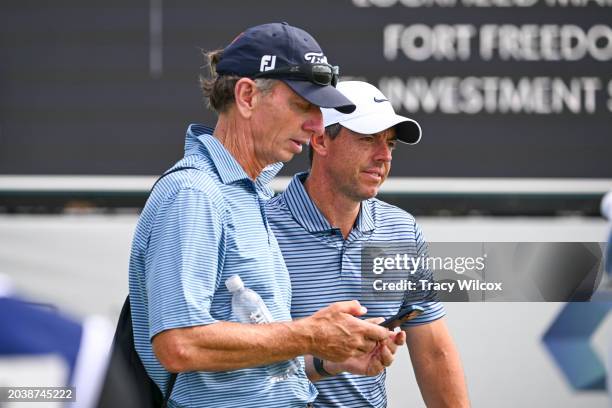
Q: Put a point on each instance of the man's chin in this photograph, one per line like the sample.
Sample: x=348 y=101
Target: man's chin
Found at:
x=368 y=193
x=285 y=156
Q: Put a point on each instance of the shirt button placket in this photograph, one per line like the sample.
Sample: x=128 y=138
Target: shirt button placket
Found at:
x=262 y=209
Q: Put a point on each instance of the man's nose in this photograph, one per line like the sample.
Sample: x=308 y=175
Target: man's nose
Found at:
x=384 y=152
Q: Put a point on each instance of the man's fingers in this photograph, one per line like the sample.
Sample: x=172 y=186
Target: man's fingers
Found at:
x=367 y=346
x=375 y=320
x=386 y=356
x=352 y=307
x=400 y=339
x=392 y=346
x=375 y=332
x=395 y=340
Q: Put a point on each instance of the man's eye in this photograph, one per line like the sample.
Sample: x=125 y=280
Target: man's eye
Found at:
x=302 y=104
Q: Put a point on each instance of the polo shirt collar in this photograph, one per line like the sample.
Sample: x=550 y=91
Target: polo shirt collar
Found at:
x=365 y=219
x=228 y=168
x=306 y=213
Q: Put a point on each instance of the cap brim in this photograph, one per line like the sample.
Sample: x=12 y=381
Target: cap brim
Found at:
x=321 y=96
x=406 y=129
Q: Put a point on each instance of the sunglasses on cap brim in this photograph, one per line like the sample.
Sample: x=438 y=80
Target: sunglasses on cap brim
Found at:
x=320 y=74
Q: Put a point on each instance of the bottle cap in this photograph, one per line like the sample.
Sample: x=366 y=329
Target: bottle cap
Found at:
x=234 y=283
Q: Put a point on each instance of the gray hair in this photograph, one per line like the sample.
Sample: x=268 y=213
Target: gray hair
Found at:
x=219 y=89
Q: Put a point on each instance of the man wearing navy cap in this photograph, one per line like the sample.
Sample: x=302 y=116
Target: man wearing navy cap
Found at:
x=205 y=221
x=324 y=221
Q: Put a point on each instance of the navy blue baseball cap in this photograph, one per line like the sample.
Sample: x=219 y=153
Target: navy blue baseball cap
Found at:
x=275 y=46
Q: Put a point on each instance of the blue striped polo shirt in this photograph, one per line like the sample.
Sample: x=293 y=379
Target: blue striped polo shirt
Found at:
x=199 y=227
x=326 y=268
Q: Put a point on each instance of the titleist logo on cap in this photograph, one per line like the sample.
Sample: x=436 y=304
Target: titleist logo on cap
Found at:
x=315 y=58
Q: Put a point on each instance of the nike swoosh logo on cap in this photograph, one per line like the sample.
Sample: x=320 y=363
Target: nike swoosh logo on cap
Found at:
x=380 y=100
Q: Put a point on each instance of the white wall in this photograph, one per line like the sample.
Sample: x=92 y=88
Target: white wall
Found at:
x=80 y=263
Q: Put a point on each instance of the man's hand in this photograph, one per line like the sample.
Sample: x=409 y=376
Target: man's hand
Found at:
x=336 y=334
x=374 y=362
x=333 y=333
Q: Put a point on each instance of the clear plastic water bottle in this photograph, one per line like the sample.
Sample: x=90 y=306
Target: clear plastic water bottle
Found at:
x=249 y=307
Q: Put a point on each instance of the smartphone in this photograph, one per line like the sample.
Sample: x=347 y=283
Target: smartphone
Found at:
x=402 y=316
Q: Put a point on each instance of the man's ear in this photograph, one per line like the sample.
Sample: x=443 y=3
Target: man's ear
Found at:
x=320 y=143
x=244 y=94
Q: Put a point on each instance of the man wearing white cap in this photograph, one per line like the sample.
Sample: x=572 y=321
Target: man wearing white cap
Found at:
x=323 y=221
x=205 y=221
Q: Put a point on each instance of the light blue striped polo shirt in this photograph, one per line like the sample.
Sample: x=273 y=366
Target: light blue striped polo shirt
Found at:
x=325 y=268
x=199 y=227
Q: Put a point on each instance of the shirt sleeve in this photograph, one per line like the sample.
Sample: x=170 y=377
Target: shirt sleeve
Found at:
x=183 y=262
x=426 y=299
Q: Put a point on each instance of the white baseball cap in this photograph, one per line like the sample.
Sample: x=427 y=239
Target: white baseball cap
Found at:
x=374 y=113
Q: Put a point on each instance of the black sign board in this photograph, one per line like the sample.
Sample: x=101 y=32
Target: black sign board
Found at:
x=502 y=88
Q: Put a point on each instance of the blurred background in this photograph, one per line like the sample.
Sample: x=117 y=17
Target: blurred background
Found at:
x=514 y=98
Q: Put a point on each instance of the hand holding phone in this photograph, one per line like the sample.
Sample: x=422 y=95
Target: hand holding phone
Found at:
x=402 y=316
